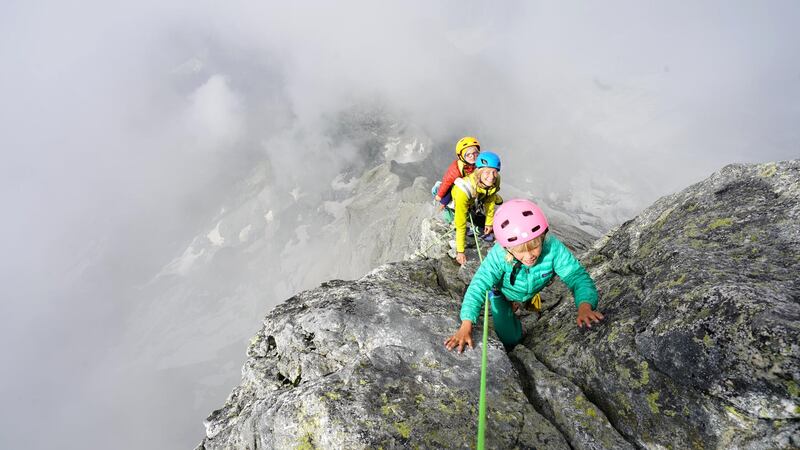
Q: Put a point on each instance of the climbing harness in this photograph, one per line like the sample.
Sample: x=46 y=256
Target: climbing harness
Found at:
x=472 y=192
x=536 y=302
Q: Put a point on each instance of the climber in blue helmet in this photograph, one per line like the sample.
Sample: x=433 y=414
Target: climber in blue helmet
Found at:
x=478 y=189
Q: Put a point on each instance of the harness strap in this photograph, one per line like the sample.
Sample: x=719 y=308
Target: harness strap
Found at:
x=515 y=271
x=466 y=186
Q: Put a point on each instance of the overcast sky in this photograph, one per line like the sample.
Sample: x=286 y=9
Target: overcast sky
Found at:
x=124 y=126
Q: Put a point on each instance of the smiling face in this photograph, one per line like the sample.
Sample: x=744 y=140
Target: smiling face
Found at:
x=487 y=176
x=527 y=253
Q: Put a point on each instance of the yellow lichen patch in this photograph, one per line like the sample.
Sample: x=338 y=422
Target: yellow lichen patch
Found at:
x=691 y=230
x=652 y=401
x=719 y=223
x=769 y=170
x=734 y=413
x=791 y=386
x=662 y=219
x=403 y=428
x=707 y=341
x=304 y=443
x=645 y=376
x=430 y=363
x=333 y=395
x=614 y=333
x=624 y=403
x=614 y=292
x=583 y=405
x=308 y=426
x=459 y=405
x=623 y=372
x=389 y=409
x=677 y=282
x=503 y=416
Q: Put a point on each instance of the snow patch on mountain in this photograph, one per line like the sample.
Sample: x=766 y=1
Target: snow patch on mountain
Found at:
x=215 y=237
x=244 y=235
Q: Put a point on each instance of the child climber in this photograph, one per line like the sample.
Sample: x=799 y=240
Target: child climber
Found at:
x=467 y=149
x=477 y=191
x=522 y=263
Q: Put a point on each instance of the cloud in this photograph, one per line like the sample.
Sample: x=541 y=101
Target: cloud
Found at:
x=215 y=115
x=125 y=127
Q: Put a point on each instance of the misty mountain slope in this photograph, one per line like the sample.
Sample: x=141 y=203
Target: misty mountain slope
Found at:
x=698 y=348
x=275 y=234
x=270 y=245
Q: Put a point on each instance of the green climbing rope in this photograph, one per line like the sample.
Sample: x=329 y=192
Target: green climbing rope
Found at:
x=484 y=353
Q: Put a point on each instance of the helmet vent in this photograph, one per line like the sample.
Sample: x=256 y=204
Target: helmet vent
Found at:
x=535 y=229
x=512 y=239
x=504 y=224
x=527 y=213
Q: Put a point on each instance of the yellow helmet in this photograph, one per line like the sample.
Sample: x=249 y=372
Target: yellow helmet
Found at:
x=466 y=141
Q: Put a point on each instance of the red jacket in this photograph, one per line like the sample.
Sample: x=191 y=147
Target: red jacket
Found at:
x=453 y=172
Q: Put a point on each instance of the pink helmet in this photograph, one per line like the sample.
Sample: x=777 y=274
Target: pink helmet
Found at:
x=518 y=221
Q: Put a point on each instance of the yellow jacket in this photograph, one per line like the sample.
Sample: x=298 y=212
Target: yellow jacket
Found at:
x=462 y=200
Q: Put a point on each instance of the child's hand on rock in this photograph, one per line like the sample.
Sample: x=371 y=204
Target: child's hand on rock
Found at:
x=586 y=315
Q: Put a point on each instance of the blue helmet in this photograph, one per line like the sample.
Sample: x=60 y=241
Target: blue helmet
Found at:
x=488 y=159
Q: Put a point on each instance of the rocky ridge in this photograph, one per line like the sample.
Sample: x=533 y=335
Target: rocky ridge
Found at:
x=699 y=348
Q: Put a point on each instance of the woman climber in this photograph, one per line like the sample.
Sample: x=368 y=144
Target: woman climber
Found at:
x=476 y=194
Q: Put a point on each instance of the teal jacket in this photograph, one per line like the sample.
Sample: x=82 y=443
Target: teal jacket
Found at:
x=555 y=259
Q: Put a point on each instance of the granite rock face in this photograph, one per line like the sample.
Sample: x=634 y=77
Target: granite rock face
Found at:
x=699 y=348
x=564 y=404
x=702 y=296
x=361 y=364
